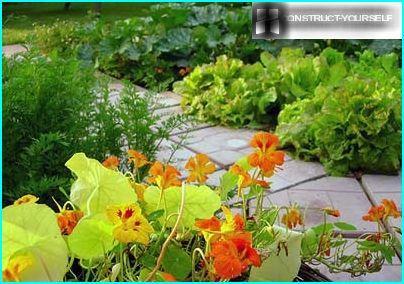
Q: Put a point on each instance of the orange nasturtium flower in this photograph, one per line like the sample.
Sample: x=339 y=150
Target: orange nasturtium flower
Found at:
x=386 y=209
x=244 y=178
x=390 y=208
x=112 y=162
x=68 y=219
x=375 y=214
x=265 y=156
x=199 y=168
x=167 y=277
x=137 y=158
x=131 y=225
x=233 y=256
x=332 y=212
x=164 y=175
x=26 y=199
x=15 y=266
x=292 y=218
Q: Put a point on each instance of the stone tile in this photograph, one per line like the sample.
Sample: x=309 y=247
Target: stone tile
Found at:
x=389 y=273
x=169 y=99
x=166 y=112
x=339 y=184
x=10 y=50
x=214 y=139
x=296 y=171
x=225 y=158
x=382 y=183
x=352 y=207
x=214 y=179
x=277 y=182
x=309 y=199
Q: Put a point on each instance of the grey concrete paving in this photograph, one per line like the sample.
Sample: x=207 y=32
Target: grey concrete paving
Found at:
x=9 y=50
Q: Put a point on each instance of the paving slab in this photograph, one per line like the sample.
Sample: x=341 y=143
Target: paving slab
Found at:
x=10 y=50
x=296 y=171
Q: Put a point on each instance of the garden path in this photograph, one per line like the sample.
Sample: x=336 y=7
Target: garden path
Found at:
x=305 y=183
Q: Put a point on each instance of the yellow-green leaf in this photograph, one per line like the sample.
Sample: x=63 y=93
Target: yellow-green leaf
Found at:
x=282 y=266
x=96 y=186
x=31 y=229
x=200 y=202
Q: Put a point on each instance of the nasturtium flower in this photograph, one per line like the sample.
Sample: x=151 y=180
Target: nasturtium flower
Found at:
x=138 y=159
x=131 y=225
x=119 y=214
x=112 y=162
x=15 y=267
x=212 y=224
x=265 y=156
x=28 y=198
x=375 y=214
x=164 y=176
x=244 y=179
x=233 y=256
x=199 y=168
x=292 y=218
x=168 y=277
x=68 y=219
x=332 y=212
x=390 y=208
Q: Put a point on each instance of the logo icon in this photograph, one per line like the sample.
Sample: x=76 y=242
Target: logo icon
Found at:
x=267 y=20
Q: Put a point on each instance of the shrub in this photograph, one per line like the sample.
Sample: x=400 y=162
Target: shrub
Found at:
x=53 y=107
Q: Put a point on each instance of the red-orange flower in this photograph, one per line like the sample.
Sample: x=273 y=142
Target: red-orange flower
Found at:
x=112 y=162
x=168 y=277
x=232 y=257
x=375 y=214
x=212 y=224
x=184 y=71
x=137 y=158
x=164 y=175
x=245 y=179
x=199 y=167
x=292 y=218
x=332 y=212
x=68 y=219
x=390 y=208
x=265 y=156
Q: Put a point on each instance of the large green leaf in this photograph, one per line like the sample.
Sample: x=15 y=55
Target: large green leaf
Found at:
x=200 y=202
x=177 y=262
x=97 y=187
x=32 y=229
x=91 y=238
x=280 y=265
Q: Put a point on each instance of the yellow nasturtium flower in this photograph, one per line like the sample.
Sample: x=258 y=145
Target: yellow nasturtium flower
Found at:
x=15 y=266
x=29 y=198
x=131 y=225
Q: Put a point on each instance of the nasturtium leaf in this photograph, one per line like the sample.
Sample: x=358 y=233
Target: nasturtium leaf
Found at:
x=228 y=182
x=32 y=229
x=345 y=226
x=177 y=262
x=200 y=203
x=280 y=265
x=91 y=238
x=96 y=186
x=243 y=162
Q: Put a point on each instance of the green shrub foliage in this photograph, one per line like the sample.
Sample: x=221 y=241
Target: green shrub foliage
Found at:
x=54 y=107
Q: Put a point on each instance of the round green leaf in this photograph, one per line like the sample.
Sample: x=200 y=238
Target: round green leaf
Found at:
x=177 y=262
x=91 y=238
x=282 y=265
x=200 y=202
x=96 y=186
x=32 y=229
